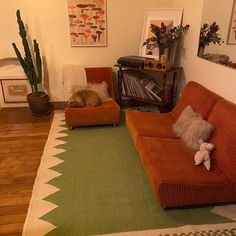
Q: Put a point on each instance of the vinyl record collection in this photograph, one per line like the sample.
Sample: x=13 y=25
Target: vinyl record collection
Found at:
x=138 y=85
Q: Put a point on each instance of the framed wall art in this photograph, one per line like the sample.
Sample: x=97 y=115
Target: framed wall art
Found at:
x=15 y=90
x=169 y=16
x=232 y=27
x=87 y=22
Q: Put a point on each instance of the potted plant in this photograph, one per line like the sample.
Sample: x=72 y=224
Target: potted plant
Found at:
x=164 y=37
x=38 y=100
x=208 y=34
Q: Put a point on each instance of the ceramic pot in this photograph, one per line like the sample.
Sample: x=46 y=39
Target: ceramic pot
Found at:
x=39 y=104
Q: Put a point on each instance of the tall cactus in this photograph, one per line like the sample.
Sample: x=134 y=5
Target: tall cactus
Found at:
x=32 y=71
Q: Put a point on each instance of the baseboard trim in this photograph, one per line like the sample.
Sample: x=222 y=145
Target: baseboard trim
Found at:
x=58 y=105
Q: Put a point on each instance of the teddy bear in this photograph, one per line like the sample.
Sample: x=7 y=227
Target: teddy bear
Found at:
x=203 y=155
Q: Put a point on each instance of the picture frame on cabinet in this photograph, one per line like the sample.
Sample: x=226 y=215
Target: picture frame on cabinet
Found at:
x=169 y=16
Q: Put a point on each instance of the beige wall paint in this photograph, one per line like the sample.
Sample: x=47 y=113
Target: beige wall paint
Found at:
x=48 y=23
x=217 y=78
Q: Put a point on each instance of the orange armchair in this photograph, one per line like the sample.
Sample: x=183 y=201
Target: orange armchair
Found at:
x=104 y=114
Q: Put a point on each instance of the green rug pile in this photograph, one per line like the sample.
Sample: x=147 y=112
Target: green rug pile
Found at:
x=104 y=189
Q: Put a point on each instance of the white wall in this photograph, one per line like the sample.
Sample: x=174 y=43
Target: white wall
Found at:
x=48 y=23
x=217 y=78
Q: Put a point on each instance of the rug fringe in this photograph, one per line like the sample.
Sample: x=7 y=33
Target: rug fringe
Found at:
x=182 y=231
x=38 y=207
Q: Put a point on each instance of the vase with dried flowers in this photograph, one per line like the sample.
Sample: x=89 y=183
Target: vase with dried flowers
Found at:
x=165 y=37
x=209 y=33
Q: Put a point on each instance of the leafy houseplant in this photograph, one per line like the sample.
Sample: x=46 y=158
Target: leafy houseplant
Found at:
x=38 y=101
x=208 y=34
x=164 y=37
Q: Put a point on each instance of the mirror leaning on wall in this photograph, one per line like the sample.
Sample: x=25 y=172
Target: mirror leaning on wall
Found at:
x=220 y=36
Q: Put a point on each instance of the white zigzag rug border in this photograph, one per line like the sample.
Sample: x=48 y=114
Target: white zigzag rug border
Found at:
x=38 y=207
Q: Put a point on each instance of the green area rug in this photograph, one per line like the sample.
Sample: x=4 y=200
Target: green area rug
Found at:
x=104 y=190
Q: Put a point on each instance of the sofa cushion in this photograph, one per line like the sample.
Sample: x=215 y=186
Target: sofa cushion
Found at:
x=101 y=89
x=198 y=97
x=149 y=124
x=191 y=128
x=184 y=120
x=175 y=179
x=100 y=74
x=224 y=137
x=106 y=113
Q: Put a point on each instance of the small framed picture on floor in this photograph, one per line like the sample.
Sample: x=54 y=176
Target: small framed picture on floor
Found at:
x=15 y=90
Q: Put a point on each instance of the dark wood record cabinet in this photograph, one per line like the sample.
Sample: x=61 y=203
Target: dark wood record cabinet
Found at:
x=140 y=87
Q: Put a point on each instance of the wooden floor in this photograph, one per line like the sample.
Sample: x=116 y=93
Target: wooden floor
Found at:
x=22 y=139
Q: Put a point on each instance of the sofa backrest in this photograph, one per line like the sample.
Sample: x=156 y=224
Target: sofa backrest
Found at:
x=100 y=74
x=198 y=97
x=223 y=118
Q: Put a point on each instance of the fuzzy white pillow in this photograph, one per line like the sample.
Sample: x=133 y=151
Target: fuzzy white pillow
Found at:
x=190 y=127
x=101 y=89
x=183 y=121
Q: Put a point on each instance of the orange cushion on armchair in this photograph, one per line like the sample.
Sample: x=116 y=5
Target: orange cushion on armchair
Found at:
x=104 y=114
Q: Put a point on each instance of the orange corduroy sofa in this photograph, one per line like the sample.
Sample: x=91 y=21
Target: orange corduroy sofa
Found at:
x=169 y=163
x=105 y=114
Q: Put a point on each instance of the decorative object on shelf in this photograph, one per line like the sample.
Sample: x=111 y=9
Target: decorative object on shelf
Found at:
x=38 y=101
x=209 y=33
x=87 y=21
x=132 y=61
x=145 y=63
x=232 y=27
x=165 y=37
x=157 y=65
x=171 y=17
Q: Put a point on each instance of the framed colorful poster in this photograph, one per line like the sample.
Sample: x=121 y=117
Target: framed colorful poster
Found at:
x=15 y=90
x=232 y=27
x=169 y=16
x=87 y=22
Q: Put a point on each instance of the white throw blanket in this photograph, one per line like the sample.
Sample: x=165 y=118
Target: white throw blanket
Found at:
x=73 y=76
